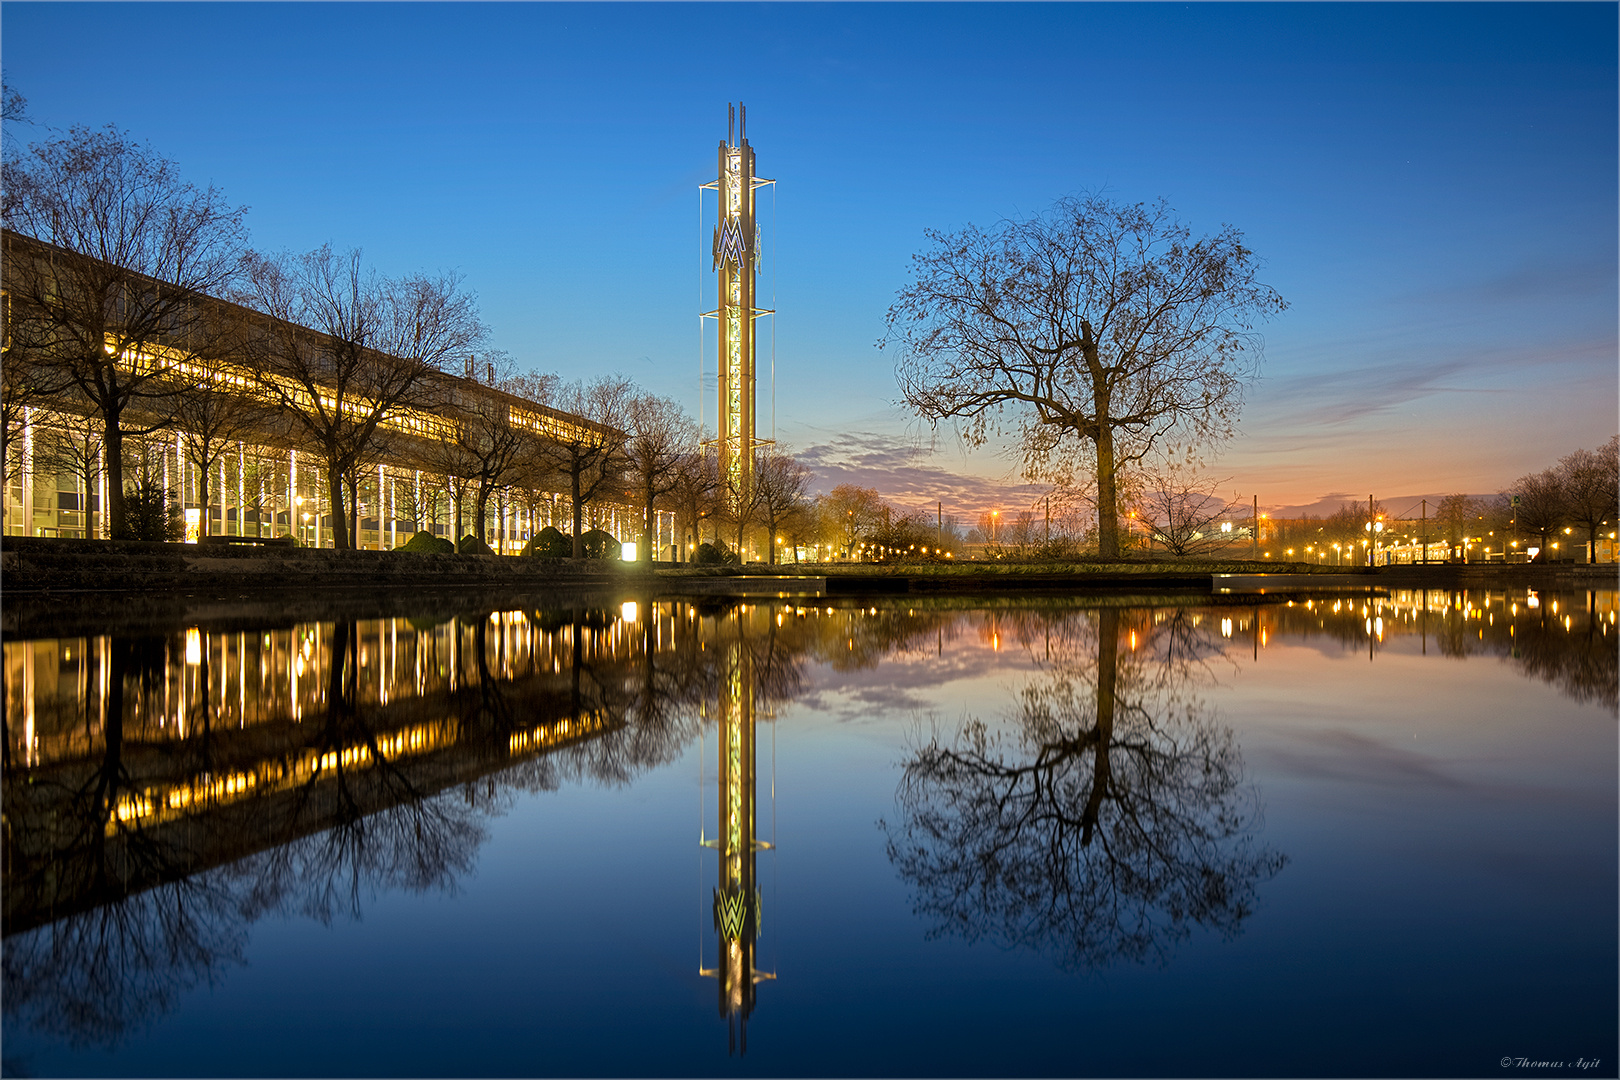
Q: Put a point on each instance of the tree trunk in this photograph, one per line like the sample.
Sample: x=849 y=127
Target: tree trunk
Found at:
x=1107 y=681
x=202 y=494
x=579 y=513
x=481 y=509
x=1107 y=494
x=1102 y=411
x=117 y=520
x=340 y=524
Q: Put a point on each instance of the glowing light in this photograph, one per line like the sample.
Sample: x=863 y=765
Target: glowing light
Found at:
x=193 y=646
x=628 y=611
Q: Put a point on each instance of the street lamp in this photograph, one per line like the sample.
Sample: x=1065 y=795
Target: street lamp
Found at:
x=1374 y=528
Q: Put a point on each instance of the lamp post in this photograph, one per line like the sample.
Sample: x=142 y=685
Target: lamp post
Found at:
x=1374 y=530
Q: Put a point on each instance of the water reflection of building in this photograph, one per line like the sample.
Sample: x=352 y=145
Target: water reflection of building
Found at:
x=127 y=757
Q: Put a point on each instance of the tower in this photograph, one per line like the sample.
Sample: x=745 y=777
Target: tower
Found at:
x=736 y=257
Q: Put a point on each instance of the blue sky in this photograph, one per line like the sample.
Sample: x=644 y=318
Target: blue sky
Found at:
x=1431 y=187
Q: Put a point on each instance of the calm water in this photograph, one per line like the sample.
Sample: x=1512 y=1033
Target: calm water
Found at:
x=806 y=837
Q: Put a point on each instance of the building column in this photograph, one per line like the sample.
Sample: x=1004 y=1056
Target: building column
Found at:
x=295 y=524
x=101 y=486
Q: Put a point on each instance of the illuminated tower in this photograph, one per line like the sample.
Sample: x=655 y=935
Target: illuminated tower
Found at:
x=737 y=895
x=736 y=254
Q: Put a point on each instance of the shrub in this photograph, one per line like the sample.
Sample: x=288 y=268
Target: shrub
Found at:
x=715 y=554
x=152 y=513
x=472 y=545
x=549 y=543
x=425 y=543
x=600 y=544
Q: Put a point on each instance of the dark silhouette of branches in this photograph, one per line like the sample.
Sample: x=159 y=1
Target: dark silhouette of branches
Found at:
x=1108 y=821
x=1098 y=329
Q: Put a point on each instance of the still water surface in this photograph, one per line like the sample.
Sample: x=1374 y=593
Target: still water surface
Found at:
x=808 y=837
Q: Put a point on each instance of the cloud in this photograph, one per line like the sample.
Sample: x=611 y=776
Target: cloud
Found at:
x=1339 y=395
x=909 y=474
x=1351 y=757
x=1526 y=283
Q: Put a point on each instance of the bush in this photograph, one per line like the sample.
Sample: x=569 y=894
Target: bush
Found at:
x=600 y=544
x=425 y=543
x=549 y=543
x=152 y=513
x=472 y=545
x=715 y=554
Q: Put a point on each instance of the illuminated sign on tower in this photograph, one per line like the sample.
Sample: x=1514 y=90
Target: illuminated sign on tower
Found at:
x=736 y=255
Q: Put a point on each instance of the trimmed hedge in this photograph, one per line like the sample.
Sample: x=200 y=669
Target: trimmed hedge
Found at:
x=715 y=554
x=549 y=543
x=472 y=545
x=600 y=544
x=425 y=543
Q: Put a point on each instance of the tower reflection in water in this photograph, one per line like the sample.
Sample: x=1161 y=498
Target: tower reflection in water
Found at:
x=737 y=898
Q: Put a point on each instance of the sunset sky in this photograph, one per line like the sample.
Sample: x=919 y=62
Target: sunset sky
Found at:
x=1432 y=188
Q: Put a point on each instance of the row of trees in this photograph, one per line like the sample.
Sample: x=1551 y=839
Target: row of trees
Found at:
x=1581 y=492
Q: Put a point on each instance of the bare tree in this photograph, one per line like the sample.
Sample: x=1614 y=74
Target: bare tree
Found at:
x=265 y=477
x=480 y=444
x=1102 y=328
x=1591 y=484
x=662 y=436
x=24 y=385
x=780 y=482
x=219 y=409
x=848 y=513
x=740 y=505
x=589 y=451
x=1542 y=508
x=695 y=494
x=76 y=447
x=1180 y=509
x=115 y=299
x=375 y=341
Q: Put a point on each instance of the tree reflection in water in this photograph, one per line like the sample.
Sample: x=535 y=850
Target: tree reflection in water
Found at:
x=1107 y=819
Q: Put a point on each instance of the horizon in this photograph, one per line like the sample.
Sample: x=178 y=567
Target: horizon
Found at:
x=1431 y=188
